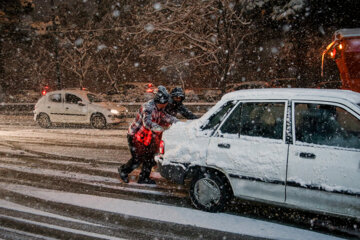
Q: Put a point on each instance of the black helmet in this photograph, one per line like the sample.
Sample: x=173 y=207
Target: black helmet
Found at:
x=162 y=95
x=178 y=92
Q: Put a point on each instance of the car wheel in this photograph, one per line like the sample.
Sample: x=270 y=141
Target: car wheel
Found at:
x=210 y=191
x=43 y=120
x=98 y=121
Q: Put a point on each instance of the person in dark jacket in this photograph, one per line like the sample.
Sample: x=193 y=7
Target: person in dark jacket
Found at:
x=176 y=105
x=144 y=136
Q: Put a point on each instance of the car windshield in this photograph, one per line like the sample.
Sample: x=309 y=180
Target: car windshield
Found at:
x=218 y=116
x=94 y=98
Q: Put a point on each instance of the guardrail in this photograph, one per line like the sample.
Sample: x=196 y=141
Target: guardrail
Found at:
x=198 y=108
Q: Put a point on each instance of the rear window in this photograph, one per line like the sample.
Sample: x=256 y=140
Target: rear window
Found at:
x=55 y=98
x=326 y=124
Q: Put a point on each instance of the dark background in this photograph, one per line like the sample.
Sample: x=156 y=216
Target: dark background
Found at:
x=102 y=44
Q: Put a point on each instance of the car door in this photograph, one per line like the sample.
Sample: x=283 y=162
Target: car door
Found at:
x=74 y=112
x=55 y=107
x=324 y=161
x=250 y=147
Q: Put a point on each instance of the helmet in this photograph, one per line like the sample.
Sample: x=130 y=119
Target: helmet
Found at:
x=162 y=95
x=178 y=92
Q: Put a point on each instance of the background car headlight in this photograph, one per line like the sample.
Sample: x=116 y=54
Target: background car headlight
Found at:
x=114 y=111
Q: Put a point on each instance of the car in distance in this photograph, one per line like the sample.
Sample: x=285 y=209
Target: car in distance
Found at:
x=298 y=148
x=77 y=106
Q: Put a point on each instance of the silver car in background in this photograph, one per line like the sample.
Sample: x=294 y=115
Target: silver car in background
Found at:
x=77 y=106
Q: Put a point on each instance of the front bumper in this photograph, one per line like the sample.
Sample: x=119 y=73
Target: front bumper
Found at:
x=175 y=172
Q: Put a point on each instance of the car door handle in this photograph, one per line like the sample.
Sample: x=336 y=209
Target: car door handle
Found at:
x=224 y=145
x=67 y=108
x=307 y=155
x=49 y=107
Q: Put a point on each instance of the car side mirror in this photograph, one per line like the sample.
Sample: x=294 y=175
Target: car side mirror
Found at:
x=80 y=103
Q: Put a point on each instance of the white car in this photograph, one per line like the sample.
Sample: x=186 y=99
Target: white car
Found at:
x=77 y=106
x=299 y=148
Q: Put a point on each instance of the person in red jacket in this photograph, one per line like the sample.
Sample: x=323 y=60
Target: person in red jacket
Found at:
x=144 y=136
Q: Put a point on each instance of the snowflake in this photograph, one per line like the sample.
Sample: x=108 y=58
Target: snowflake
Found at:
x=149 y=27
x=79 y=42
x=116 y=13
x=157 y=6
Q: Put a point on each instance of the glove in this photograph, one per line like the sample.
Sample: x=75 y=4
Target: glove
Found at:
x=157 y=129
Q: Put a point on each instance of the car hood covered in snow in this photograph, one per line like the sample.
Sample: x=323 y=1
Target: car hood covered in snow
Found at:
x=183 y=143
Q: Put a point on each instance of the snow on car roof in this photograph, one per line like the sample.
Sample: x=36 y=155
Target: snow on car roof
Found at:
x=293 y=93
x=347 y=32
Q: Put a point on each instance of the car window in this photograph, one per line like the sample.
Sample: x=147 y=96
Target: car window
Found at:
x=55 y=98
x=262 y=120
x=215 y=119
x=94 y=98
x=73 y=99
x=232 y=123
x=326 y=125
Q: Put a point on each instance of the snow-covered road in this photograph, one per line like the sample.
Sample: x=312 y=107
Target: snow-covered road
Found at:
x=62 y=183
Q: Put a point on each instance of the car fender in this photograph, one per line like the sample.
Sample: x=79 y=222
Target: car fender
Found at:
x=93 y=109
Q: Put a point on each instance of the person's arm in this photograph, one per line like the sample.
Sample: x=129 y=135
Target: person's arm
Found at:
x=170 y=118
x=147 y=118
x=186 y=112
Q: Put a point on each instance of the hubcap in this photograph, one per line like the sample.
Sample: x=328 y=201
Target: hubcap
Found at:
x=43 y=120
x=207 y=192
x=98 y=122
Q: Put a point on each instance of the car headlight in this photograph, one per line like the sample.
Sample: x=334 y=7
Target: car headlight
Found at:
x=114 y=111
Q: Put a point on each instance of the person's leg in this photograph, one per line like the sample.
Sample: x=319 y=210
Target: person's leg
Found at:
x=144 y=176
x=132 y=164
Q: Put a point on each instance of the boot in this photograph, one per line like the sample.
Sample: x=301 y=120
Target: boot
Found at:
x=123 y=176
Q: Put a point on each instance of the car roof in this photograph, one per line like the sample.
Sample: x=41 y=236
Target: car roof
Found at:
x=75 y=91
x=346 y=33
x=294 y=93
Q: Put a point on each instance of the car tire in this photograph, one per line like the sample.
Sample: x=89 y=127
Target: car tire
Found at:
x=210 y=191
x=98 y=121
x=43 y=120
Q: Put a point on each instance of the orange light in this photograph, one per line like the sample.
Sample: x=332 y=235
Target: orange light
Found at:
x=341 y=46
x=149 y=90
x=332 y=53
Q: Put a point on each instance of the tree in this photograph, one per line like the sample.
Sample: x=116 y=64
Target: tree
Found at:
x=77 y=55
x=208 y=36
